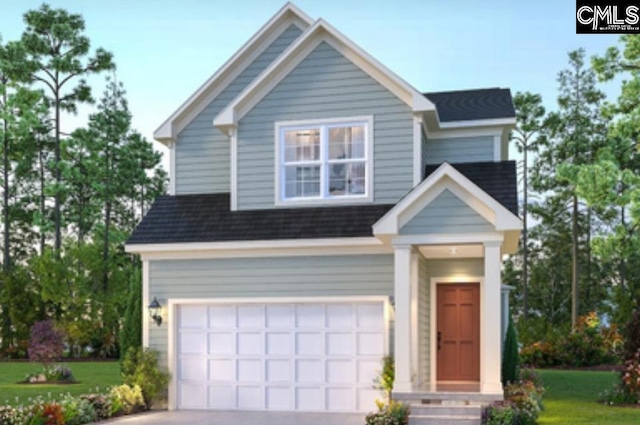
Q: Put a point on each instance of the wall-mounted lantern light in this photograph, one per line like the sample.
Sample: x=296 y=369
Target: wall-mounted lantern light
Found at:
x=154 y=311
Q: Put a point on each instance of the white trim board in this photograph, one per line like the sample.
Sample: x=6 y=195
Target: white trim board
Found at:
x=289 y=14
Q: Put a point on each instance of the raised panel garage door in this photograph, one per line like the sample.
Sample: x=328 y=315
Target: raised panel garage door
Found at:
x=290 y=357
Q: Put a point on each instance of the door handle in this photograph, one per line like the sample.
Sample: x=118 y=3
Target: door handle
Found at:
x=439 y=339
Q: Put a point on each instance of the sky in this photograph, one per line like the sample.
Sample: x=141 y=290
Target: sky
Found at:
x=165 y=49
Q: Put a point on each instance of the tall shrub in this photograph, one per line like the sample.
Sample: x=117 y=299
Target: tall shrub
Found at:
x=46 y=343
x=510 y=357
x=131 y=334
x=140 y=367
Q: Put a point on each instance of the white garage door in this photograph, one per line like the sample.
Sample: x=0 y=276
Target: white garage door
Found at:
x=303 y=356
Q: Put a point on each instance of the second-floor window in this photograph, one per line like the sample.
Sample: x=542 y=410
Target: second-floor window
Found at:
x=325 y=161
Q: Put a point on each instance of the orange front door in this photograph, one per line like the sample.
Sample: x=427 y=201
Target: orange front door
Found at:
x=458 y=332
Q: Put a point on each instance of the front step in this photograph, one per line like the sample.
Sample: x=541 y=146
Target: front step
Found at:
x=445 y=410
x=444 y=420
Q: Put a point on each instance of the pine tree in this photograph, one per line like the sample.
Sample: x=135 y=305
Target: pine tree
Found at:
x=510 y=356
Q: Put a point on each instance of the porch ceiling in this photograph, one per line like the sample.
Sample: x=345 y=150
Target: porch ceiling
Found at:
x=452 y=251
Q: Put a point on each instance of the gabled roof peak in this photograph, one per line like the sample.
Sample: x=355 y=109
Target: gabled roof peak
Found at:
x=287 y=15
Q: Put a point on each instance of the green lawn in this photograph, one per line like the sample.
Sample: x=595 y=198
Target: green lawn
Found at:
x=89 y=374
x=571 y=398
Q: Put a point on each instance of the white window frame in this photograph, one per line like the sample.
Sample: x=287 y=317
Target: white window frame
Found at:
x=323 y=124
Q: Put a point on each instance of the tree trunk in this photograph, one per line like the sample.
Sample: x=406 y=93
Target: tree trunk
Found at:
x=57 y=176
x=574 y=265
x=525 y=247
x=5 y=189
x=42 y=199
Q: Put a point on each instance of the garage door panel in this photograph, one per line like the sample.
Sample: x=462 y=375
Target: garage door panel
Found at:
x=339 y=343
x=278 y=370
x=366 y=397
x=310 y=316
x=250 y=397
x=192 y=396
x=278 y=398
x=193 y=343
x=279 y=356
x=278 y=344
x=367 y=370
x=222 y=343
x=370 y=344
x=339 y=371
x=339 y=399
x=368 y=316
x=222 y=370
x=192 y=369
x=222 y=317
x=250 y=370
x=309 y=398
x=193 y=317
x=339 y=316
x=279 y=316
x=250 y=343
x=309 y=344
x=222 y=397
x=309 y=371
x=251 y=316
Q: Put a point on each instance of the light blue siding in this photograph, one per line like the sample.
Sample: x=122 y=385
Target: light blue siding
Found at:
x=424 y=319
x=462 y=149
x=202 y=151
x=447 y=214
x=346 y=275
x=325 y=85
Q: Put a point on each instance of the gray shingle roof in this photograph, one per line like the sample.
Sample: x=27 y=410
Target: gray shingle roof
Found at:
x=478 y=104
x=207 y=218
x=497 y=179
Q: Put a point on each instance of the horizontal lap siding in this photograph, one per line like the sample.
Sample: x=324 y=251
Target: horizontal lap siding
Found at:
x=350 y=275
x=325 y=85
x=462 y=149
x=202 y=151
x=447 y=214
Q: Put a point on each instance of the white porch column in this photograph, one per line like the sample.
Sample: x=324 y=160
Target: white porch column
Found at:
x=402 y=291
x=490 y=342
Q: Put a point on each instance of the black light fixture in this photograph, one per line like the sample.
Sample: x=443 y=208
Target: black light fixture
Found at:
x=154 y=311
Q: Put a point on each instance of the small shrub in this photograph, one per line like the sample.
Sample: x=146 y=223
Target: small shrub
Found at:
x=101 y=403
x=506 y=413
x=49 y=413
x=77 y=411
x=631 y=376
x=394 y=413
x=540 y=354
x=383 y=382
x=130 y=398
x=58 y=373
x=617 y=396
x=530 y=374
x=525 y=396
x=140 y=367
x=46 y=344
x=510 y=357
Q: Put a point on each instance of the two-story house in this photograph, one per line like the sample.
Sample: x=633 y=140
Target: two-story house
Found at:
x=323 y=213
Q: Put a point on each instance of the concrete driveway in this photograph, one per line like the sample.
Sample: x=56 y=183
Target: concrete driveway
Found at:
x=197 y=417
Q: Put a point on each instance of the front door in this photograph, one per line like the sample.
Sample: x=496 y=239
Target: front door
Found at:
x=458 y=327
